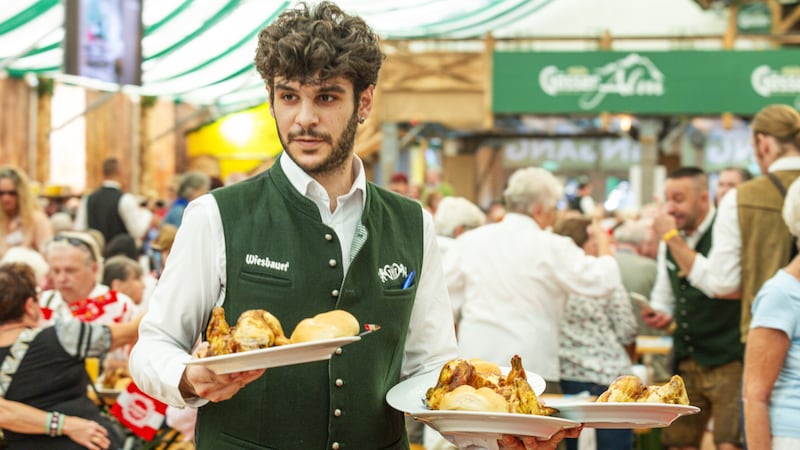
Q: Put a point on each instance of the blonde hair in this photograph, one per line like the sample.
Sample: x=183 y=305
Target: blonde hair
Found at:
x=781 y=122
x=27 y=203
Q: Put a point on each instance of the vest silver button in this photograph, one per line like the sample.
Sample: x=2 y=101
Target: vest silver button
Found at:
x=339 y=382
x=685 y=325
x=328 y=237
x=338 y=351
x=332 y=263
x=335 y=293
x=335 y=446
x=337 y=412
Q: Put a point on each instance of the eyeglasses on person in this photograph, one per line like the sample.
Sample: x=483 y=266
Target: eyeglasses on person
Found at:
x=75 y=242
x=8 y=193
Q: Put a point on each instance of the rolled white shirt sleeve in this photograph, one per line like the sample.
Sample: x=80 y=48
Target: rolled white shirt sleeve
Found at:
x=725 y=256
x=191 y=285
x=661 y=298
x=431 y=340
x=136 y=219
x=581 y=274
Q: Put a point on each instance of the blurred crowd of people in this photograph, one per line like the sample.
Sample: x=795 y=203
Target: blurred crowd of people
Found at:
x=95 y=259
x=720 y=275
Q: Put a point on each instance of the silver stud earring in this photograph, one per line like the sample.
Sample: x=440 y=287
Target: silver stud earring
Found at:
x=361 y=119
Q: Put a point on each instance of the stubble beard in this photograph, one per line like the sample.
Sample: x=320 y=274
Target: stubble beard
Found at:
x=340 y=150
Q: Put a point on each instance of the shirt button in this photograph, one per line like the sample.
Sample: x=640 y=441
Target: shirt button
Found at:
x=332 y=263
x=683 y=300
x=683 y=313
x=687 y=338
x=339 y=382
x=335 y=293
x=328 y=237
x=337 y=412
x=691 y=349
x=335 y=446
x=338 y=351
x=685 y=325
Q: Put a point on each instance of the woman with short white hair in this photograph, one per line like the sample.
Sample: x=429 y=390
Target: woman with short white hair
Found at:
x=772 y=355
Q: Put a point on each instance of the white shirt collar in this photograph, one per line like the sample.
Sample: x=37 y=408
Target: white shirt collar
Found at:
x=112 y=184
x=310 y=187
x=785 y=163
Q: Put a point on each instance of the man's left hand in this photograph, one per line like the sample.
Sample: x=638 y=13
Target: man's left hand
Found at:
x=531 y=443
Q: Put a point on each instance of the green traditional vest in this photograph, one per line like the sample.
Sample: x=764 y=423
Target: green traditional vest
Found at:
x=706 y=328
x=766 y=242
x=282 y=258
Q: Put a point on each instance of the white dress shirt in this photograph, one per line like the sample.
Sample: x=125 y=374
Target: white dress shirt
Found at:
x=726 y=252
x=194 y=281
x=516 y=280
x=662 y=298
x=136 y=219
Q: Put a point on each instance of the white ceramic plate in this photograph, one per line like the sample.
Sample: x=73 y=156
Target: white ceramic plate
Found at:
x=623 y=415
x=490 y=426
x=409 y=395
x=265 y=358
x=474 y=426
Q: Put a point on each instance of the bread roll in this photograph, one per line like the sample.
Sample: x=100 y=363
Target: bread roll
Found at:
x=327 y=325
x=467 y=398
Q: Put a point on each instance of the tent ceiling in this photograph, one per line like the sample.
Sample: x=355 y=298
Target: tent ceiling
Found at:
x=201 y=51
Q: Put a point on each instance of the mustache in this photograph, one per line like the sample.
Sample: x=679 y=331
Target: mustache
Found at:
x=313 y=134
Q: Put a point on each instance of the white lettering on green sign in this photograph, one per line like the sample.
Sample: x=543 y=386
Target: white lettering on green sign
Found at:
x=633 y=75
x=767 y=81
x=572 y=153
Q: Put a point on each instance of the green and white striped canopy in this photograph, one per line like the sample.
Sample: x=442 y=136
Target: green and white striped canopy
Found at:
x=201 y=51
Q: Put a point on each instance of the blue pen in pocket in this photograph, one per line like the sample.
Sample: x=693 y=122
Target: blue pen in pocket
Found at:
x=409 y=280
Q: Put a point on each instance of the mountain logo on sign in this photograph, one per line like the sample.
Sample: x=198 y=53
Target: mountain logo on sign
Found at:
x=633 y=75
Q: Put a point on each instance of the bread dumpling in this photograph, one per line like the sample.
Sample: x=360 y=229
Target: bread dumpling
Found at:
x=327 y=325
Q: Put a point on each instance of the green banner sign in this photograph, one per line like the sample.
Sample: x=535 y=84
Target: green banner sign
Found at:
x=676 y=82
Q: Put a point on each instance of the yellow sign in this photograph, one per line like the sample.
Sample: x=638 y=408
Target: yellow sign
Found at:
x=240 y=141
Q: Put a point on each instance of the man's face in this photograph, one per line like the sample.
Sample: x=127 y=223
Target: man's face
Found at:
x=133 y=287
x=317 y=123
x=685 y=202
x=73 y=275
x=728 y=179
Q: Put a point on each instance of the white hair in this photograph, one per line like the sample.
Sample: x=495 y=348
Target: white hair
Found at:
x=530 y=187
x=634 y=232
x=453 y=212
x=791 y=208
x=30 y=257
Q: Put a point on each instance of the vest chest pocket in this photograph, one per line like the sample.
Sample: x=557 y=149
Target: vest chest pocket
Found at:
x=266 y=279
x=399 y=294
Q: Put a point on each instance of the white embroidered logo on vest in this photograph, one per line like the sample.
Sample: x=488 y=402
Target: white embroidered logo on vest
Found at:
x=255 y=260
x=391 y=272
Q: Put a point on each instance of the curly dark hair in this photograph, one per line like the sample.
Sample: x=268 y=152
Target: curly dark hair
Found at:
x=314 y=44
x=17 y=285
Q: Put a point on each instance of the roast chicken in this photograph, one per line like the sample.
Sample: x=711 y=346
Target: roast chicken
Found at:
x=255 y=329
x=629 y=388
x=475 y=385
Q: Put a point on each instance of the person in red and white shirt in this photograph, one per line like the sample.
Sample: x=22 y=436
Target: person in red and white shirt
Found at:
x=74 y=260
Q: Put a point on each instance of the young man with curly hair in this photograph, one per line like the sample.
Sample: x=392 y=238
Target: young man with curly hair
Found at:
x=307 y=236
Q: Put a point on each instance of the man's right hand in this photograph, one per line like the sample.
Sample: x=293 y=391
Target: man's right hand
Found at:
x=656 y=319
x=198 y=381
